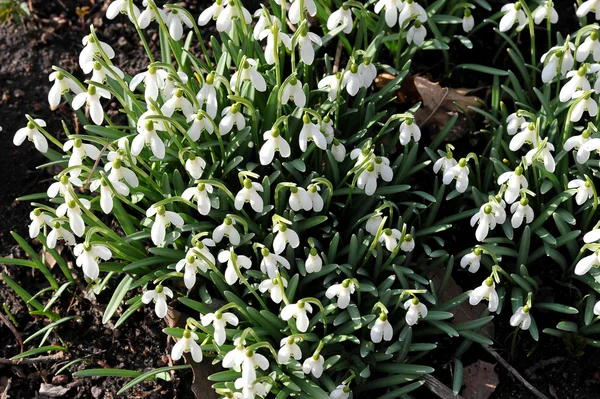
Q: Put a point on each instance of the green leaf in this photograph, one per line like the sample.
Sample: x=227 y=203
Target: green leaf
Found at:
x=50 y=327
x=458 y=377
x=107 y=373
x=557 y=307
x=150 y=374
x=483 y=69
x=116 y=299
x=473 y=336
x=37 y=351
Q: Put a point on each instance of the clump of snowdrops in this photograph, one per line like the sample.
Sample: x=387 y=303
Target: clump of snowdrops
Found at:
x=271 y=192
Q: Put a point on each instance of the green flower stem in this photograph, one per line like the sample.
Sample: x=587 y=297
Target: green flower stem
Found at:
x=530 y=22
x=140 y=33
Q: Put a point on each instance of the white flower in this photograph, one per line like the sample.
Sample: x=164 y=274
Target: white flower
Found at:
x=211 y=12
x=416 y=34
x=38 y=219
x=313 y=263
x=299 y=199
x=597 y=308
x=295 y=13
x=270 y=261
x=298 y=311
x=64 y=187
x=486 y=220
x=235 y=357
x=392 y=8
x=195 y=166
x=32 y=133
x=352 y=80
x=149 y=115
x=273 y=287
x=149 y=15
x=409 y=130
x=586 y=145
x=460 y=173
x=199 y=193
x=294 y=91
x=415 y=309
x=342 y=16
x=122 y=6
x=176 y=21
x=528 y=134
x=231 y=116
x=235 y=263
x=177 y=103
x=584 y=190
x=208 y=96
x=273 y=142
x=487 y=290
x=249 y=194
x=468 y=22
x=315 y=197
x=249 y=391
x=162 y=220
x=444 y=163
x=91 y=48
x=340 y=392
x=159 y=296
x=58 y=232
x=379 y=167
x=578 y=82
x=382 y=329
x=521 y=210
x=311 y=131
x=513 y=13
x=542 y=155
x=591 y=44
x=148 y=136
x=559 y=56
x=284 y=236
x=342 y=292
x=219 y=321
x=87 y=258
x=229 y=13
x=587 y=6
x=73 y=212
x=226 y=230
x=154 y=79
x=587 y=103
x=289 y=348
x=338 y=150
x=367 y=72
x=314 y=364
x=521 y=318
x=99 y=76
x=408 y=244
x=514 y=182
x=586 y=264
x=473 y=260
x=274 y=38
x=251 y=361
x=248 y=74
x=198 y=125
x=305 y=45
x=62 y=85
x=545 y=10
x=332 y=84
x=592 y=236
x=91 y=97
x=514 y=122
x=186 y=344
x=265 y=21
x=390 y=237
x=373 y=223
x=193 y=262
x=79 y=151
x=410 y=9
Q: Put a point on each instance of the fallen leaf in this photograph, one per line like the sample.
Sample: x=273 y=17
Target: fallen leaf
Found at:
x=480 y=380
x=53 y=391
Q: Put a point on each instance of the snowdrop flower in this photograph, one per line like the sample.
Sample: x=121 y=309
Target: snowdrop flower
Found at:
x=311 y=131
x=513 y=13
x=592 y=236
x=521 y=318
x=252 y=360
x=273 y=287
x=72 y=210
x=558 y=56
x=32 y=133
x=332 y=84
x=460 y=173
x=468 y=22
x=192 y=263
x=273 y=142
x=373 y=223
x=408 y=244
x=587 y=6
x=367 y=72
x=150 y=14
x=212 y=12
x=295 y=14
x=392 y=8
x=314 y=365
x=591 y=44
x=177 y=103
x=234 y=263
x=415 y=309
x=195 y=166
x=58 y=232
x=289 y=348
x=597 y=308
x=305 y=45
x=584 y=190
x=249 y=194
x=92 y=47
x=409 y=130
x=298 y=311
x=528 y=134
x=410 y=9
x=542 y=155
x=122 y=6
x=284 y=236
x=154 y=79
x=586 y=145
x=208 y=96
x=390 y=237
x=91 y=97
x=315 y=197
x=416 y=34
x=486 y=220
x=587 y=103
x=487 y=290
x=444 y=163
x=187 y=344
x=38 y=219
x=382 y=329
x=340 y=392
x=338 y=150
x=578 y=82
x=265 y=21
x=149 y=115
x=586 y=264
x=342 y=292
x=117 y=174
x=62 y=85
x=545 y=10
x=472 y=259
x=521 y=210
x=198 y=125
x=351 y=80
x=219 y=321
x=64 y=187
x=270 y=262
x=514 y=122
x=162 y=220
x=327 y=128
x=299 y=199
x=226 y=230
x=79 y=151
x=274 y=38
x=176 y=21
x=235 y=357
x=514 y=182
x=148 y=136
x=231 y=116
x=251 y=390
x=313 y=263
x=294 y=91
x=379 y=167
x=99 y=76
x=229 y=13
x=343 y=17
x=159 y=296
x=87 y=258
x=106 y=193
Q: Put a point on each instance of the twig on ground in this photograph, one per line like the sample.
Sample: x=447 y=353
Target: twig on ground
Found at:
x=514 y=372
x=542 y=364
x=32 y=360
x=438 y=388
x=12 y=328
x=6 y=388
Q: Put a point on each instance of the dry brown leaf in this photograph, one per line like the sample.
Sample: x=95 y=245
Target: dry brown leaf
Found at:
x=434 y=96
x=480 y=380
